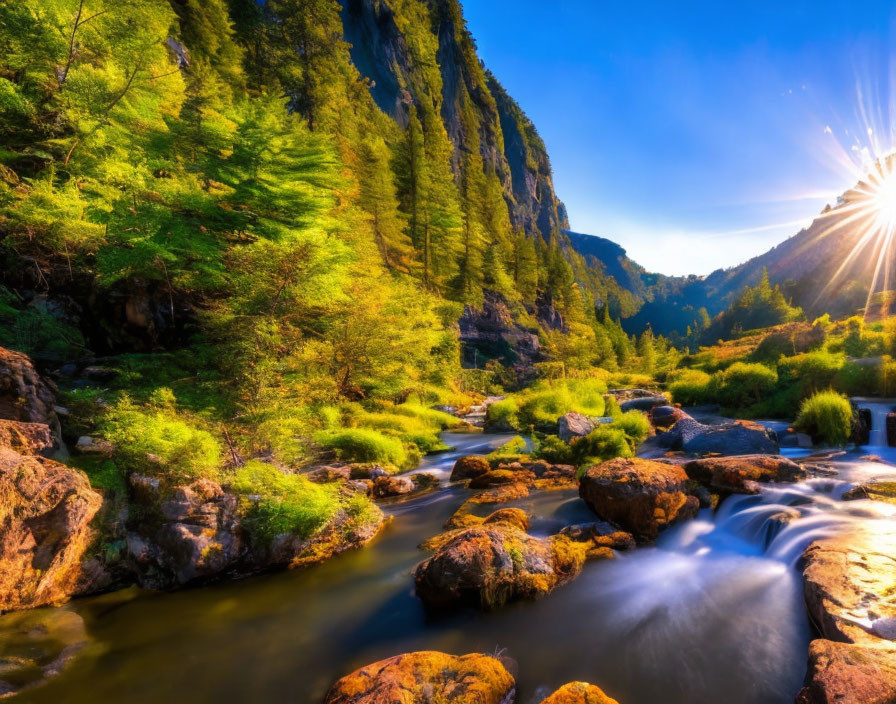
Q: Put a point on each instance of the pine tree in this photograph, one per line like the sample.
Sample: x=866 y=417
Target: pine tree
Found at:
x=378 y=198
x=647 y=350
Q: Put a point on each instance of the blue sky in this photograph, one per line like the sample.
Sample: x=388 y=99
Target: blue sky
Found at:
x=697 y=134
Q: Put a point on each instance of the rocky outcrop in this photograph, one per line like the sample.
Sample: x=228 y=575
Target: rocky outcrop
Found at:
x=427 y=677
x=490 y=332
x=488 y=566
x=24 y=395
x=740 y=437
x=200 y=532
x=573 y=425
x=26 y=438
x=848 y=584
x=739 y=474
x=45 y=512
x=640 y=496
x=579 y=693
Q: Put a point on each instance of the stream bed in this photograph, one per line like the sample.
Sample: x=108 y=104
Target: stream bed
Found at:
x=713 y=612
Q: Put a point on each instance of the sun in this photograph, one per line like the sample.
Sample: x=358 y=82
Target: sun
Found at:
x=883 y=202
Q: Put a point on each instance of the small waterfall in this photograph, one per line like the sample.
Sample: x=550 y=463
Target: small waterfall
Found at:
x=879 y=409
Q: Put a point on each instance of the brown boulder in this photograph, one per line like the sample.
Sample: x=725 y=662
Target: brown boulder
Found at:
x=45 y=512
x=469 y=468
x=579 y=693
x=427 y=676
x=385 y=487
x=488 y=566
x=640 y=496
x=843 y=673
x=735 y=474
x=601 y=535
x=512 y=516
x=26 y=438
x=24 y=395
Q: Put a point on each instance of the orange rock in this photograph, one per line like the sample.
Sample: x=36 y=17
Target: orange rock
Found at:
x=579 y=693
x=426 y=676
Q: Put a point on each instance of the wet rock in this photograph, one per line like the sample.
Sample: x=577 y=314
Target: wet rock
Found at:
x=469 y=468
x=99 y=374
x=25 y=396
x=505 y=475
x=601 y=534
x=427 y=676
x=579 y=693
x=877 y=491
x=36 y=645
x=385 y=487
x=515 y=517
x=794 y=439
x=849 y=579
x=844 y=673
x=640 y=496
x=26 y=438
x=45 y=512
x=739 y=437
x=666 y=416
x=488 y=566
x=735 y=474
x=573 y=425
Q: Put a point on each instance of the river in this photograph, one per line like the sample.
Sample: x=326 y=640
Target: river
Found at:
x=712 y=613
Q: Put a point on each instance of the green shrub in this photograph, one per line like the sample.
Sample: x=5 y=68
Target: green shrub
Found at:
x=601 y=444
x=691 y=387
x=611 y=407
x=859 y=379
x=504 y=413
x=744 y=384
x=542 y=405
x=887 y=386
x=364 y=445
x=552 y=449
x=635 y=425
x=811 y=372
x=160 y=440
x=827 y=417
x=284 y=503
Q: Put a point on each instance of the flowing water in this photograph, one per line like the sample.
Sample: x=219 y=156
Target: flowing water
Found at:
x=880 y=409
x=712 y=613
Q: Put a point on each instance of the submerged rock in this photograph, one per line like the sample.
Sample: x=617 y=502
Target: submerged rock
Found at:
x=45 y=512
x=737 y=474
x=37 y=645
x=579 y=693
x=640 y=496
x=490 y=565
x=427 y=676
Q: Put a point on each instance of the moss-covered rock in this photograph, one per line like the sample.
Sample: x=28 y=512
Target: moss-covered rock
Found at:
x=427 y=676
x=469 y=467
x=736 y=474
x=505 y=475
x=579 y=693
x=489 y=565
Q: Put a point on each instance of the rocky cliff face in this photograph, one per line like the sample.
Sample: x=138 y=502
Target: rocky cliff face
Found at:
x=474 y=107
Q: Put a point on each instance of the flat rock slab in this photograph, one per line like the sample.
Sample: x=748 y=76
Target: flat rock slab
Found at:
x=737 y=474
x=844 y=673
